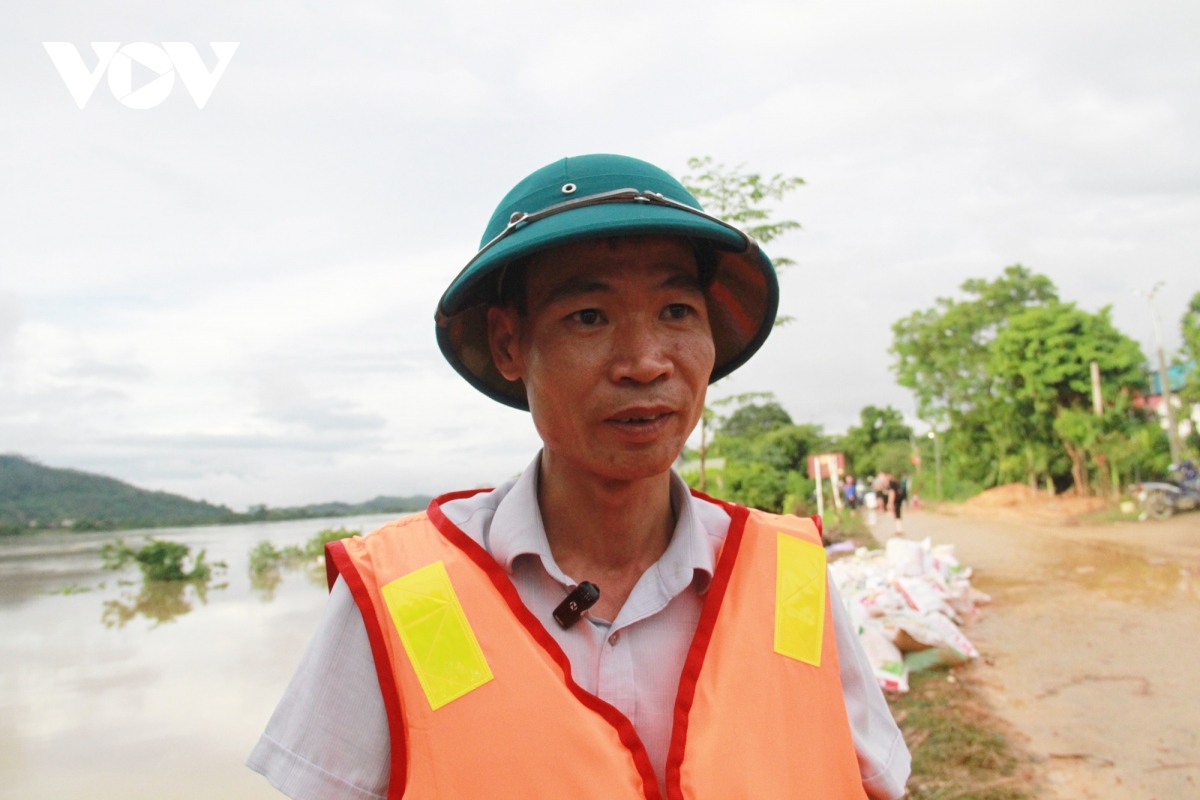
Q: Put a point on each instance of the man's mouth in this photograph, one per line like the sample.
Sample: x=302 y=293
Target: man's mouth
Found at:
x=642 y=424
x=641 y=419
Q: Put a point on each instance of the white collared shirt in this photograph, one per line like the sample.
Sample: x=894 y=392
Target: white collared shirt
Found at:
x=329 y=738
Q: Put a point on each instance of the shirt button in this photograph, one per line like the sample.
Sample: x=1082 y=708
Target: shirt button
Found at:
x=613 y=639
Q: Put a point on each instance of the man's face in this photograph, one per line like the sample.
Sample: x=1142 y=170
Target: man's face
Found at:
x=615 y=351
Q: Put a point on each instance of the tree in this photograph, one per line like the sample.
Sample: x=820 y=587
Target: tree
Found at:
x=1190 y=325
x=1039 y=366
x=738 y=198
x=882 y=442
x=764 y=453
x=941 y=353
x=753 y=418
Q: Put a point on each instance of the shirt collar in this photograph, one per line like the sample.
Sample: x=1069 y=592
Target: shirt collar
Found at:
x=517 y=530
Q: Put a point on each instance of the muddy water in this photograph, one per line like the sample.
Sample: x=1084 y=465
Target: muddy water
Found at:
x=1092 y=647
x=113 y=689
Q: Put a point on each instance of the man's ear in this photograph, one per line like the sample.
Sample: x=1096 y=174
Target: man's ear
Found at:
x=504 y=339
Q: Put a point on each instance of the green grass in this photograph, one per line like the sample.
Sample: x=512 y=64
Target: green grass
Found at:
x=959 y=749
x=840 y=526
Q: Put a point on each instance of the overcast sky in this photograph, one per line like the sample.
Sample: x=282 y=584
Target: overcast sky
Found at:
x=236 y=303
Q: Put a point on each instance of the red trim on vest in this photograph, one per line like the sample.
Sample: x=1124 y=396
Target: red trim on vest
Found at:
x=331 y=570
x=699 y=647
x=336 y=555
x=500 y=580
x=816 y=518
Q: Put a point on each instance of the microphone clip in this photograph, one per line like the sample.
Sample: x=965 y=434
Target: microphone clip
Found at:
x=578 y=601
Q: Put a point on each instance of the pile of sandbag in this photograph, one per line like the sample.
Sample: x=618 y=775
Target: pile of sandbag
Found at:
x=907 y=603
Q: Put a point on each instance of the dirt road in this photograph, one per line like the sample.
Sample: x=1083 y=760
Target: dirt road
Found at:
x=1092 y=646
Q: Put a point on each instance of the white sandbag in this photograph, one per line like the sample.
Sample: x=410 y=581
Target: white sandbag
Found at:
x=882 y=601
x=942 y=561
x=887 y=662
x=958 y=596
x=936 y=630
x=905 y=557
x=925 y=595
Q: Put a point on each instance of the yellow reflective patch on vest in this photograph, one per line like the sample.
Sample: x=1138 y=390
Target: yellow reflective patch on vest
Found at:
x=799 y=599
x=437 y=637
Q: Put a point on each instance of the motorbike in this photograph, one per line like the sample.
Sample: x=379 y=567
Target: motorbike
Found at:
x=1161 y=499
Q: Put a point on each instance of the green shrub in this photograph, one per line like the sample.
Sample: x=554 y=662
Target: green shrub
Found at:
x=266 y=557
x=159 y=560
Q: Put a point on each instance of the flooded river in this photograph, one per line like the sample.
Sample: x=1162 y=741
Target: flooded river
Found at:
x=112 y=688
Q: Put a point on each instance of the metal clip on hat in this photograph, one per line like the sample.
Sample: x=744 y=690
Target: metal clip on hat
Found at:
x=607 y=195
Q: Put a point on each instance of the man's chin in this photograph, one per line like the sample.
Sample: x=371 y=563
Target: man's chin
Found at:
x=633 y=465
x=615 y=460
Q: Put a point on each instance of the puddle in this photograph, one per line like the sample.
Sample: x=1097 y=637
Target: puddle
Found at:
x=1126 y=575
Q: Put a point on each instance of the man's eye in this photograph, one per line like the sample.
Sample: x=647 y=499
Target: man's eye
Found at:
x=588 y=316
x=677 y=311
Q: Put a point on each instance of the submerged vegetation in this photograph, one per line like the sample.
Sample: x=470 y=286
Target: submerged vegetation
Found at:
x=159 y=560
x=267 y=562
x=171 y=580
x=157 y=601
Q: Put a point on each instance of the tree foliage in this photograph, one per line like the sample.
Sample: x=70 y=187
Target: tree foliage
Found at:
x=754 y=418
x=740 y=197
x=764 y=454
x=1190 y=327
x=941 y=353
x=882 y=442
x=1005 y=375
x=1041 y=368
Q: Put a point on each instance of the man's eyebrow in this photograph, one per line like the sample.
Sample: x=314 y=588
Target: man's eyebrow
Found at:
x=575 y=287
x=682 y=280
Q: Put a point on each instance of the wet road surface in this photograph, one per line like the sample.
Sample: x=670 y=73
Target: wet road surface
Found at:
x=1092 y=646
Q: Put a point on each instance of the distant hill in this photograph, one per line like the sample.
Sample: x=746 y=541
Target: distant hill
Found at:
x=38 y=496
x=35 y=496
x=380 y=505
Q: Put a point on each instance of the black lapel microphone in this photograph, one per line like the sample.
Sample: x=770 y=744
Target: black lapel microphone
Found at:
x=580 y=600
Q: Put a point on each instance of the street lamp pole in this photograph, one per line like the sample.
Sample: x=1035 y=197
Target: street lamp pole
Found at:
x=1164 y=379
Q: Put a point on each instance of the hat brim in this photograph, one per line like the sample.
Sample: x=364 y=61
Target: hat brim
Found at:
x=743 y=297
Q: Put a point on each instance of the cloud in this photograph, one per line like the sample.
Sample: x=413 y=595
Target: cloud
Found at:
x=11 y=317
x=236 y=303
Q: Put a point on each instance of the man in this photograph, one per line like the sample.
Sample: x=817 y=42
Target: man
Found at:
x=895 y=492
x=459 y=656
x=851 y=492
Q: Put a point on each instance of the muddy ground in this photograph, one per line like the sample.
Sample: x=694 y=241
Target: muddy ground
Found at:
x=1091 y=648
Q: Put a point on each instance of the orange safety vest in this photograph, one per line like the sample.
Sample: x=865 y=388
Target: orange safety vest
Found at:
x=481 y=703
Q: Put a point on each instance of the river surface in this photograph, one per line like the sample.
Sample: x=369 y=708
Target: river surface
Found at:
x=114 y=688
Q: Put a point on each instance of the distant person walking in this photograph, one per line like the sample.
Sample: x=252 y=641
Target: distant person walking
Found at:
x=895 y=492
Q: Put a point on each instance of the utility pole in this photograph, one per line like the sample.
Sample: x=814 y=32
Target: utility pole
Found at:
x=1164 y=379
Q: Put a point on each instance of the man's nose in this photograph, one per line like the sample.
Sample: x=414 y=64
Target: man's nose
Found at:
x=641 y=354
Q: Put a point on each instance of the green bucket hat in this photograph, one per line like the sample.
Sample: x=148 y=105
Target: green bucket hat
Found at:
x=593 y=196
